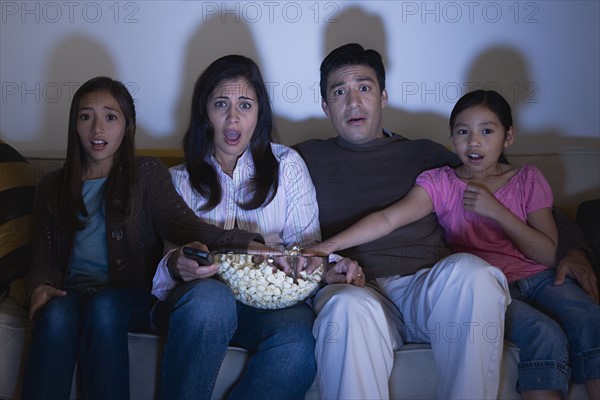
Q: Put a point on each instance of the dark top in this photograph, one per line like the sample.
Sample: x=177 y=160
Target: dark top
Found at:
x=354 y=180
x=135 y=246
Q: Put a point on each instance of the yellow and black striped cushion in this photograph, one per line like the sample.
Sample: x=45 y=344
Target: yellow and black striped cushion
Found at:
x=17 y=187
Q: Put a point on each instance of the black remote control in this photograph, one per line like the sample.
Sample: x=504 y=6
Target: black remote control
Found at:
x=202 y=257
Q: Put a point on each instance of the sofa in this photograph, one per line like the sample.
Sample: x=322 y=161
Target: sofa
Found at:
x=413 y=374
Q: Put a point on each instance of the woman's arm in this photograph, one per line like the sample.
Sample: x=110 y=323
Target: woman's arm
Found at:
x=412 y=207
x=176 y=222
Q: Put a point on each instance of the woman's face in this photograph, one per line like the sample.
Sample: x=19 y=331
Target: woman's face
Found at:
x=101 y=128
x=233 y=112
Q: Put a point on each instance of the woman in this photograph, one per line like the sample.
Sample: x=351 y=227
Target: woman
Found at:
x=100 y=225
x=235 y=176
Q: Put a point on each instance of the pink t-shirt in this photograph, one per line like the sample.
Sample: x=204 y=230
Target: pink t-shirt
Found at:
x=526 y=192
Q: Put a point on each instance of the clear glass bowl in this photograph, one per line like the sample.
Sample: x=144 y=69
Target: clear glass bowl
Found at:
x=261 y=282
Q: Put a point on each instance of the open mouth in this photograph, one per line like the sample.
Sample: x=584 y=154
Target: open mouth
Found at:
x=232 y=136
x=474 y=156
x=357 y=119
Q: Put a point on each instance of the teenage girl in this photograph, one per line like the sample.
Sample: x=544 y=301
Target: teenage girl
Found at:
x=100 y=225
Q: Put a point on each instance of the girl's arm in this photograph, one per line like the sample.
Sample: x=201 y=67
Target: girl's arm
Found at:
x=536 y=238
x=412 y=207
x=542 y=247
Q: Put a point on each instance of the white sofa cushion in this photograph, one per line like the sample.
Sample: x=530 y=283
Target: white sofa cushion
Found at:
x=413 y=375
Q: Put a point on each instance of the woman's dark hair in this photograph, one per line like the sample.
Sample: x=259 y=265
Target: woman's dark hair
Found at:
x=67 y=203
x=198 y=142
x=490 y=99
x=351 y=54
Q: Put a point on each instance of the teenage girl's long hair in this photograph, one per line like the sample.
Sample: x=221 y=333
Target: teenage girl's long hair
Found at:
x=66 y=202
x=198 y=142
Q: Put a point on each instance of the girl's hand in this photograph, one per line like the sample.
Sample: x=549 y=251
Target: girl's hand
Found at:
x=345 y=271
x=42 y=295
x=480 y=201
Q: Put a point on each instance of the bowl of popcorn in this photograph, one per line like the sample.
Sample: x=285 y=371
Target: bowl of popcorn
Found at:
x=262 y=282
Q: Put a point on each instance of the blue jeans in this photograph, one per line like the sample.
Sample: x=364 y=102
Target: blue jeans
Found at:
x=201 y=319
x=91 y=329
x=556 y=328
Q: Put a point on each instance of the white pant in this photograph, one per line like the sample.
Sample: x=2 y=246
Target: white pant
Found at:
x=458 y=306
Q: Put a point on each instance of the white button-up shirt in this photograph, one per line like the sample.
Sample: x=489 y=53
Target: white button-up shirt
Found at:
x=292 y=217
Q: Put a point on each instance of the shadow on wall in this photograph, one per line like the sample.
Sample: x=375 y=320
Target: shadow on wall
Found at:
x=505 y=70
x=64 y=76
x=410 y=125
x=512 y=79
x=65 y=72
x=500 y=68
x=566 y=163
x=215 y=38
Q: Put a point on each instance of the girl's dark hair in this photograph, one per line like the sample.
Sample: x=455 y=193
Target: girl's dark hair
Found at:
x=198 y=142
x=490 y=99
x=67 y=202
x=351 y=54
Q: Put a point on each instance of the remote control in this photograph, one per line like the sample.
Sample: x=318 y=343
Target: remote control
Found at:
x=201 y=257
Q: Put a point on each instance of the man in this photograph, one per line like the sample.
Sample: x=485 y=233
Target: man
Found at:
x=411 y=288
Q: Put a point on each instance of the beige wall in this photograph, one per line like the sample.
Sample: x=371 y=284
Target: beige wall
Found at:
x=542 y=55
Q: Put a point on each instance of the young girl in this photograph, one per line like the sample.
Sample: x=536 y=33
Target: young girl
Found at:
x=502 y=213
x=100 y=225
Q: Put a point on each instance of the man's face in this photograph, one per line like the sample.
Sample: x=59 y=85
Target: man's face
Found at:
x=354 y=103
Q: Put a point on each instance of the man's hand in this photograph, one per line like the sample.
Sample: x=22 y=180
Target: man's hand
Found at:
x=576 y=265
x=345 y=271
x=294 y=265
x=42 y=295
